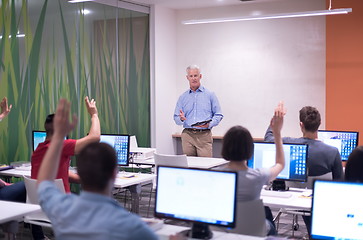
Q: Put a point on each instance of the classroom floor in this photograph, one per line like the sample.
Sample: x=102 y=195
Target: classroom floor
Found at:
x=284 y=231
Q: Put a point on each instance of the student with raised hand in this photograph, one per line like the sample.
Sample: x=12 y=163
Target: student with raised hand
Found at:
x=322 y=158
x=354 y=166
x=94 y=214
x=238 y=148
x=71 y=147
x=10 y=192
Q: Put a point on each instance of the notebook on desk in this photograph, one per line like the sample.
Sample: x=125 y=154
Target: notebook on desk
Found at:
x=5 y=167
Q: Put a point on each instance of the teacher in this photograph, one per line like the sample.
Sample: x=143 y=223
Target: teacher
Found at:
x=198 y=111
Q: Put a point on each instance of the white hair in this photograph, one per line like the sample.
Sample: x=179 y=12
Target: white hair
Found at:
x=192 y=67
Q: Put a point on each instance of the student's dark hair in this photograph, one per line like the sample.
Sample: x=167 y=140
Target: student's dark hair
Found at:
x=237 y=144
x=48 y=124
x=354 y=167
x=96 y=164
x=310 y=117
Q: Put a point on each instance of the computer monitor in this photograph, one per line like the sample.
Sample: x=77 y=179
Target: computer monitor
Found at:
x=295 y=160
x=200 y=196
x=38 y=137
x=343 y=140
x=121 y=144
x=337 y=211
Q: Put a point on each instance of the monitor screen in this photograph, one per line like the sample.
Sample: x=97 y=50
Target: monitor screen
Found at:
x=295 y=160
x=344 y=141
x=38 y=137
x=342 y=217
x=197 y=195
x=121 y=144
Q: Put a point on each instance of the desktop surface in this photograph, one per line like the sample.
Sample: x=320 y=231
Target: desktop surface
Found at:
x=344 y=141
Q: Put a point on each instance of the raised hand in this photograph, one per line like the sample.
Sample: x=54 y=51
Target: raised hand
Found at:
x=62 y=125
x=91 y=106
x=5 y=109
x=278 y=118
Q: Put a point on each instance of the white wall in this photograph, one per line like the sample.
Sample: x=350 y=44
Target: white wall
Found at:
x=163 y=38
x=252 y=65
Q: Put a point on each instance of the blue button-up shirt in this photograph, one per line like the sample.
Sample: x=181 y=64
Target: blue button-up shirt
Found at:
x=198 y=106
x=89 y=216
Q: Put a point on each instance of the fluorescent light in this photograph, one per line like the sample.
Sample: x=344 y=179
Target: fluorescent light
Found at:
x=17 y=35
x=78 y=1
x=272 y=16
x=85 y=11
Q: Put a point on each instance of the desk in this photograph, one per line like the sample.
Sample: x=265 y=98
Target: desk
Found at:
x=295 y=201
x=11 y=211
x=195 y=162
x=133 y=183
x=168 y=230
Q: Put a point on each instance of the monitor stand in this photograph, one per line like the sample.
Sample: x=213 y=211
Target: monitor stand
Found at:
x=279 y=185
x=199 y=231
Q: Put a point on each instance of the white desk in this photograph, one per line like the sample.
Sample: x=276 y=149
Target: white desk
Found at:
x=132 y=183
x=194 y=162
x=297 y=200
x=11 y=211
x=168 y=230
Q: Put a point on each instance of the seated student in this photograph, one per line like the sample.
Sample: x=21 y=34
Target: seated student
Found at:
x=322 y=158
x=354 y=167
x=94 y=214
x=71 y=147
x=238 y=148
x=15 y=192
x=10 y=192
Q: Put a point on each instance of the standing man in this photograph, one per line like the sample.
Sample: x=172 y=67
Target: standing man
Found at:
x=198 y=111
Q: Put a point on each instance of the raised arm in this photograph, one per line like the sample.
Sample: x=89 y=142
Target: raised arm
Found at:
x=62 y=126
x=95 y=130
x=276 y=126
x=5 y=108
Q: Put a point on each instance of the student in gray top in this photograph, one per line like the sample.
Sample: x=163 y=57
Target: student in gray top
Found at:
x=322 y=158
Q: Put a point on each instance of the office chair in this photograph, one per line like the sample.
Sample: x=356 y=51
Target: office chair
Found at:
x=38 y=218
x=251 y=218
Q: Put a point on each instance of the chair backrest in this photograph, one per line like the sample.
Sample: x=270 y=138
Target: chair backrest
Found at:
x=133 y=142
x=309 y=183
x=171 y=160
x=251 y=218
x=31 y=189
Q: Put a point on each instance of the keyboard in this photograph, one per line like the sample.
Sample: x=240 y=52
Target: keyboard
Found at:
x=278 y=194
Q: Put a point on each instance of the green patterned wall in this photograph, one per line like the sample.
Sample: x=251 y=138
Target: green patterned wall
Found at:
x=65 y=53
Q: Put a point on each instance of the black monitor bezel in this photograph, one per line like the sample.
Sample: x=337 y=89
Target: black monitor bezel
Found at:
x=306 y=162
x=164 y=215
x=314 y=237
x=357 y=143
x=128 y=146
